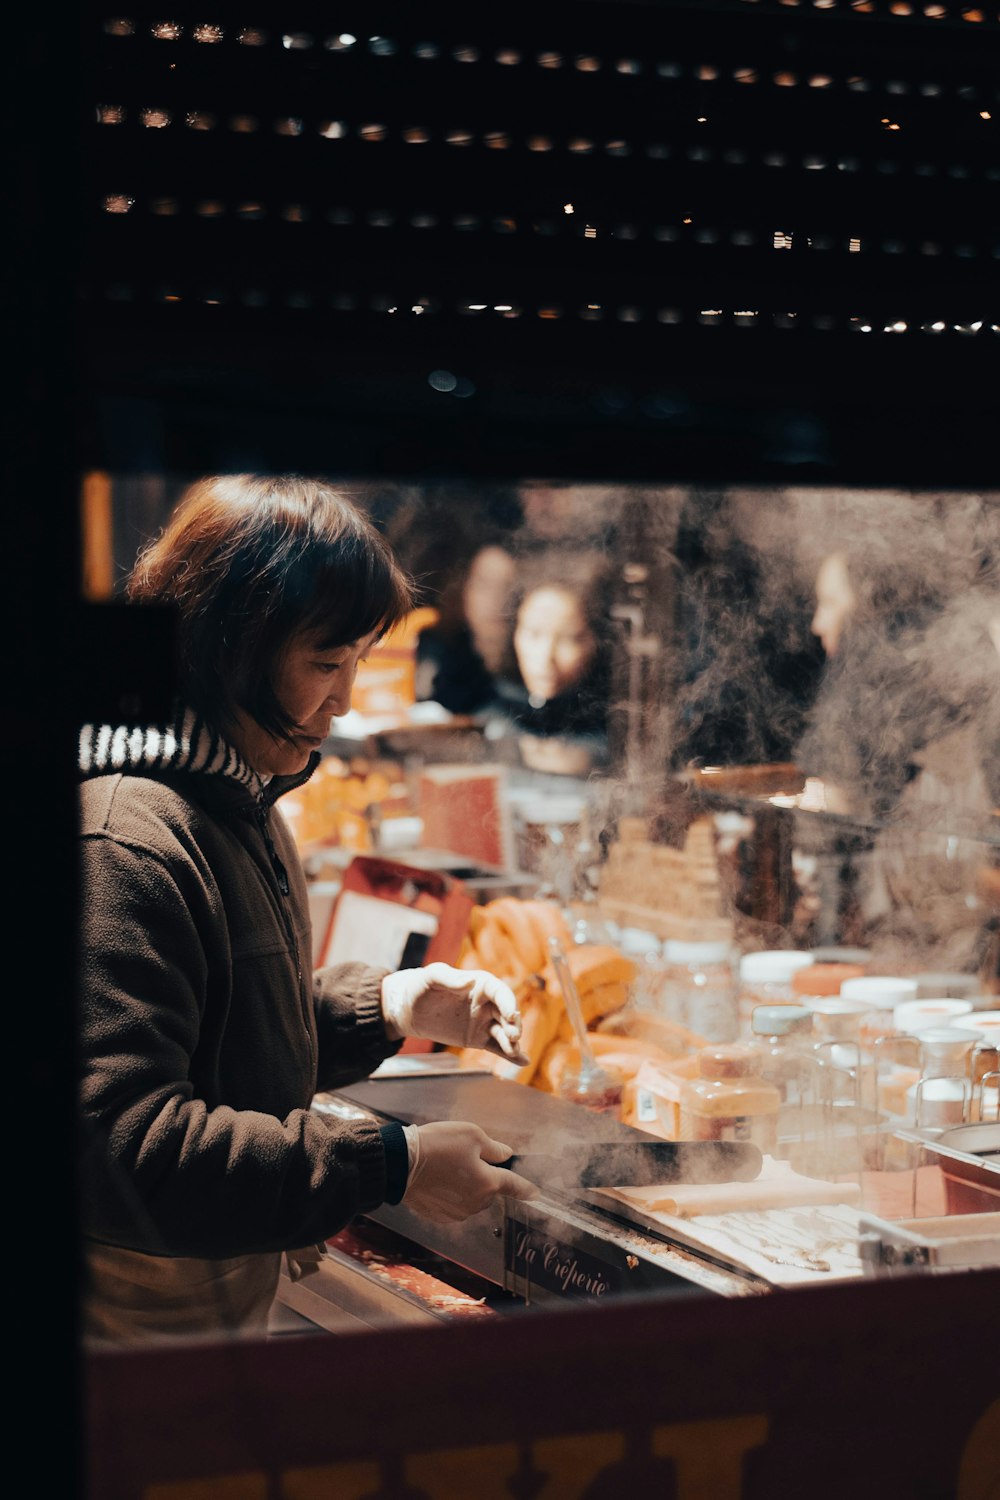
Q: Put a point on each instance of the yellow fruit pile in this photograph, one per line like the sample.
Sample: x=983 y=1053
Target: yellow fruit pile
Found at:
x=510 y=938
x=337 y=804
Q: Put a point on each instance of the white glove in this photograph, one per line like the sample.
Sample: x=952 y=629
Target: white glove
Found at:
x=459 y=1007
x=451 y=1176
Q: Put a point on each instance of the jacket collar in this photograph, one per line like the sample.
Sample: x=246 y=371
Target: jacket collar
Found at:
x=189 y=745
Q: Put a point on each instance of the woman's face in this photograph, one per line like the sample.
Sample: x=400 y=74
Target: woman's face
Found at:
x=487 y=593
x=553 y=641
x=313 y=686
x=835 y=601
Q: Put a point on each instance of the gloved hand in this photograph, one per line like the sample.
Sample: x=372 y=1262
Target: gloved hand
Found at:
x=459 y=1007
x=451 y=1176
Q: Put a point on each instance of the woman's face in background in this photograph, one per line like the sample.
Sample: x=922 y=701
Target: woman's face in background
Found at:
x=835 y=601
x=553 y=642
x=487 y=595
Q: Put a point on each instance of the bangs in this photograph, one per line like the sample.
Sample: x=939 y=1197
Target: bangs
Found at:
x=355 y=590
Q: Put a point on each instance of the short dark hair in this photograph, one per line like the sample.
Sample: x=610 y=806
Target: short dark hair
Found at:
x=248 y=562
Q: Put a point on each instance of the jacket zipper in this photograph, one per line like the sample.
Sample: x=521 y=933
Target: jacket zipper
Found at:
x=261 y=814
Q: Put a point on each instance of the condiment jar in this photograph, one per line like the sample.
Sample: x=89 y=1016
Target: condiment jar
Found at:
x=595 y=1087
x=766 y=979
x=882 y=993
x=700 y=986
x=729 y=1101
x=943 y=1094
x=782 y=1042
x=838 y=1046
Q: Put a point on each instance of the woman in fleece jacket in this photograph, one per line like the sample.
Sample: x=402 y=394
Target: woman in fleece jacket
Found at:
x=205 y=1031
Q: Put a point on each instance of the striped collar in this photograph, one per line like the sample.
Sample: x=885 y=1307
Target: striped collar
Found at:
x=188 y=744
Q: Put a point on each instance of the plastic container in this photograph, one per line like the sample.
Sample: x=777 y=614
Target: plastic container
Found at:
x=820 y=981
x=914 y=1016
x=782 y=1042
x=699 y=985
x=729 y=1100
x=766 y=979
x=882 y=993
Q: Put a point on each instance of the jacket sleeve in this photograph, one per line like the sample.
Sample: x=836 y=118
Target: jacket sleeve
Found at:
x=166 y=1169
x=349 y=1024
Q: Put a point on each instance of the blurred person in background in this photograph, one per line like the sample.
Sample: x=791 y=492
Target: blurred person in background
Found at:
x=204 y=1031
x=467 y=655
x=747 y=668
x=931 y=862
x=867 y=719
x=905 y=731
x=563 y=634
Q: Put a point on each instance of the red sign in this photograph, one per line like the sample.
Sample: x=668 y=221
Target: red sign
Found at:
x=870 y=1391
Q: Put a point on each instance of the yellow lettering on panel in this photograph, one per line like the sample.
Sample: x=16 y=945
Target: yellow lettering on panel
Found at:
x=331 y=1482
x=457 y=1473
x=708 y=1456
x=221 y=1487
x=572 y=1463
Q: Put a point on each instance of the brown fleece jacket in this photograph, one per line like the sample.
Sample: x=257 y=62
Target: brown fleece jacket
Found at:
x=204 y=1030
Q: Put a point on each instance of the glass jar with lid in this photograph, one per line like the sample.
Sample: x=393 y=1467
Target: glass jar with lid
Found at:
x=699 y=986
x=943 y=1094
x=848 y=1070
x=783 y=1044
x=882 y=993
x=729 y=1100
x=766 y=979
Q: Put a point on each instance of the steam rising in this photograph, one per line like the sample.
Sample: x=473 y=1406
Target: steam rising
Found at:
x=715 y=663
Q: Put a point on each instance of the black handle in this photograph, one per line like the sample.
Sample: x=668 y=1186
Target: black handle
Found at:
x=641 y=1164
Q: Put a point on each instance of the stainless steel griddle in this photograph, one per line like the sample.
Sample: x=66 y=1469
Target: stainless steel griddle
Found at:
x=570 y=1243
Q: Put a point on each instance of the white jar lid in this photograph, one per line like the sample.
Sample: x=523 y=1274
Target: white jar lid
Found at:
x=696 y=953
x=917 y=1015
x=883 y=991
x=773 y=965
